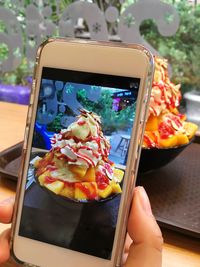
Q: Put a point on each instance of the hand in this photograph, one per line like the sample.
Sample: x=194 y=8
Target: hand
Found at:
x=6 y=211
x=146 y=248
x=144 y=251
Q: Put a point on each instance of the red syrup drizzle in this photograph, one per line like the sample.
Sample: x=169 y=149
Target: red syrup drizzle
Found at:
x=89 y=195
x=165 y=130
x=149 y=142
x=101 y=180
x=81 y=123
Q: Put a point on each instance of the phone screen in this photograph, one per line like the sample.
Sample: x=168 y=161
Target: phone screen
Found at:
x=78 y=159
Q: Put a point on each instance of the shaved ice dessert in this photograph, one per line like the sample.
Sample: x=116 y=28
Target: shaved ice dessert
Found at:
x=166 y=127
x=77 y=166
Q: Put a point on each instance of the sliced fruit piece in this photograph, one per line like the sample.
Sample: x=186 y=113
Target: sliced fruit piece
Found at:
x=55 y=187
x=190 y=128
x=182 y=116
x=79 y=194
x=49 y=156
x=79 y=170
x=169 y=142
x=152 y=123
x=102 y=180
x=116 y=188
x=80 y=131
x=36 y=161
x=174 y=110
x=151 y=139
x=46 y=160
x=106 y=192
x=90 y=175
x=49 y=180
x=40 y=171
x=68 y=191
x=118 y=174
x=165 y=130
x=182 y=139
x=85 y=191
x=42 y=177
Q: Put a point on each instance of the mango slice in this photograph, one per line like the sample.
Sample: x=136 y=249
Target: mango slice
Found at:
x=80 y=171
x=152 y=123
x=42 y=177
x=115 y=187
x=55 y=187
x=182 y=139
x=118 y=174
x=90 y=175
x=68 y=191
x=169 y=142
x=85 y=191
x=106 y=192
x=190 y=128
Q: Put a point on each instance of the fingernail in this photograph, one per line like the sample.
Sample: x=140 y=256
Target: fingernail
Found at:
x=7 y=201
x=144 y=200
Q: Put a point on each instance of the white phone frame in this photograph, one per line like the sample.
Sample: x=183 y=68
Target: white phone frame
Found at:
x=95 y=57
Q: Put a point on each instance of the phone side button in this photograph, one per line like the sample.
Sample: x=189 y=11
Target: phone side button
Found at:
x=33 y=87
x=132 y=173
x=29 y=115
x=31 y=99
x=26 y=137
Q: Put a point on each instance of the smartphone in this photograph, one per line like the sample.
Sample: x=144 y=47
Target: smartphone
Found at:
x=82 y=144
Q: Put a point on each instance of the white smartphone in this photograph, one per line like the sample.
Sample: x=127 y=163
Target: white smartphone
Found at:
x=82 y=144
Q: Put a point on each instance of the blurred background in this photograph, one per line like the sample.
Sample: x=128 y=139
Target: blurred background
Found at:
x=169 y=28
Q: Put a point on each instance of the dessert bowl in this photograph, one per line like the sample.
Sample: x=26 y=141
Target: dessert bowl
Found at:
x=155 y=158
x=63 y=200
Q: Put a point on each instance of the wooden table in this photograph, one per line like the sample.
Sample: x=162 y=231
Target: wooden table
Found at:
x=179 y=250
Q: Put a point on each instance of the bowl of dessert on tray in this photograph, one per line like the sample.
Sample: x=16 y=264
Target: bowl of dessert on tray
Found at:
x=77 y=167
x=167 y=132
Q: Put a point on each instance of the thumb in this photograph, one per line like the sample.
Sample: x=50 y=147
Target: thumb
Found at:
x=146 y=248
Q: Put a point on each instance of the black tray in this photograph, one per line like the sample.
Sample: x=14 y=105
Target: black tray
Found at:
x=174 y=191
x=10 y=160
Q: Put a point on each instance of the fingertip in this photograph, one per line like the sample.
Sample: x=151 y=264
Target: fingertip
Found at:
x=142 y=226
x=4 y=245
x=144 y=231
x=6 y=210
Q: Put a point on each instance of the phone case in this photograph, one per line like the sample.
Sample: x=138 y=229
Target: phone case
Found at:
x=29 y=265
x=131 y=184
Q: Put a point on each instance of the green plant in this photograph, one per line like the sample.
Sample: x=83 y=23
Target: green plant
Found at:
x=111 y=120
x=182 y=50
x=55 y=126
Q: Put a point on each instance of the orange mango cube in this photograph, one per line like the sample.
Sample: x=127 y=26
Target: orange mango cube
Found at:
x=182 y=139
x=85 y=191
x=80 y=171
x=106 y=192
x=118 y=174
x=68 y=191
x=116 y=188
x=190 y=128
x=169 y=142
x=90 y=175
x=56 y=187
x=42 y=177
x=152 y=123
